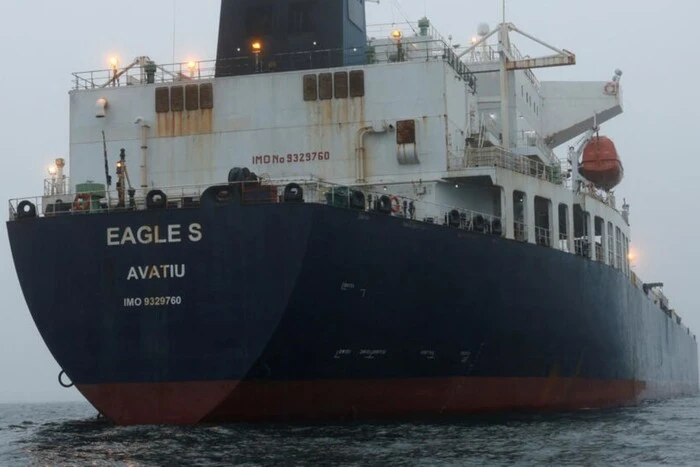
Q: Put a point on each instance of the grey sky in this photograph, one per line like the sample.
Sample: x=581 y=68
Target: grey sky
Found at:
x=44 y=41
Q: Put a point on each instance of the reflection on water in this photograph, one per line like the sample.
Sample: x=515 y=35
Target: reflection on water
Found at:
x=69 y=434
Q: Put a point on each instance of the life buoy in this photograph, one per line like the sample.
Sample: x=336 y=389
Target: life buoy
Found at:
x=611 y=88
x=395 y=204
x=81 y=202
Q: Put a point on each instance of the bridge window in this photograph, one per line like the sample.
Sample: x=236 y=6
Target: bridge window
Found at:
x=340 y=83
x=519 y=225
x=162 y=100
x=543 y=229
x=626 y=252
x=599 y=225
x=310 y=88
x=192 y=97
x=564 y=227
x=206 y=96
x=259 y=21
x=618 y=248
x=300 y=18
x=325 y=86
x=611 y=245
x=177 y=98
x=357 y=83
x=582 y=243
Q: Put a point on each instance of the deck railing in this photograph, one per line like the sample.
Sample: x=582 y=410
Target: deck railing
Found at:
x=362 y=198
x=543 y=237
x=314 y=191
x=599 y=253
x=487 y=53
x=582 y=247
x=144 y=71
x=520 y=231
x=499 y=157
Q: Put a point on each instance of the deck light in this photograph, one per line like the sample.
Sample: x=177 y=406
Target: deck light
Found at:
x=53 y=170
x=396 y=34
x=257 y=47
x=114 y=63
x=192 y=66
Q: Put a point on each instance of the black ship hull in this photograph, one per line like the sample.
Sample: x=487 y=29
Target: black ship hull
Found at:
x=303 y=311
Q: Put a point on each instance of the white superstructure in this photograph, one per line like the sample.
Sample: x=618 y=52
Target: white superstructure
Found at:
x=462 y=133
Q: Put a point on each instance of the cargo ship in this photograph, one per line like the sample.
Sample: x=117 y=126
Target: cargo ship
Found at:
x=332 y=221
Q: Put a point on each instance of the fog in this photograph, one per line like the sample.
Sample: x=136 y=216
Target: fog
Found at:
x=43 y=42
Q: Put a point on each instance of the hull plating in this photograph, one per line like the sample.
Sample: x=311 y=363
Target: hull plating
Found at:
x=305 y=311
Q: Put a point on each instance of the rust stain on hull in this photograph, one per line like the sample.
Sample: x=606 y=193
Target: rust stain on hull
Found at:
x=195 y=122
x=163 y=125
x=207 y=121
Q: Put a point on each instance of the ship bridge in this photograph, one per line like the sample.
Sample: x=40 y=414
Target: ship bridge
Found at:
x=278 y=107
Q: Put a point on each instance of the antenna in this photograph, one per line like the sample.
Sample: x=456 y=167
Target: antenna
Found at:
x=504 y=11
x=397 y=5
x=174 y=23
x=108 y=177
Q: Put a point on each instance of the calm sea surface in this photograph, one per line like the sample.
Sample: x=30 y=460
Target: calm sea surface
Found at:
x=660 y=433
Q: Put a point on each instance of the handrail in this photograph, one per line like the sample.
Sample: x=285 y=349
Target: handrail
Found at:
x=498 y=157
x=487 y=53
x=543 y=236
x=327 y=193
x=270 y=191
x=520 y=231
x=143 y=71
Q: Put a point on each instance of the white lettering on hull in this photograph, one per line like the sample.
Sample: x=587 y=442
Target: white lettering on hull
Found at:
x=162 y=271
x=153 y=235
x=138 y=302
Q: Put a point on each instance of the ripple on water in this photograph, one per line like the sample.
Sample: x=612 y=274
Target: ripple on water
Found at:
x=662 y=433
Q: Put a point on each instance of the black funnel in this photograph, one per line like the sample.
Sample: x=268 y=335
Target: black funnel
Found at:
x=263 y=36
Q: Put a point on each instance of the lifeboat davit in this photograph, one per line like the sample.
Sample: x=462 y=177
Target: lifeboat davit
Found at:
x=600 y=164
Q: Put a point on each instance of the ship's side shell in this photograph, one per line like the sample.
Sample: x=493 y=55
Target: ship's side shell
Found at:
x=601 y=164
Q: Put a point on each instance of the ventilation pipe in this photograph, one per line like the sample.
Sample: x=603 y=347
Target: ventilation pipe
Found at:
x=382 y=127
x=101 y=107
x=143 y=128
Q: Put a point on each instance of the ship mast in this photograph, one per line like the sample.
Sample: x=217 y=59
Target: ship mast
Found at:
x=510 y=61
x=503 y=47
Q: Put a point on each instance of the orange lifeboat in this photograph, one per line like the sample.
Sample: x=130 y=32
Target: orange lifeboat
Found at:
x=601 y=165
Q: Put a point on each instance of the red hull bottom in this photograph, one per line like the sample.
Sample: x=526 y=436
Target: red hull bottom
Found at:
x=233 y=401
